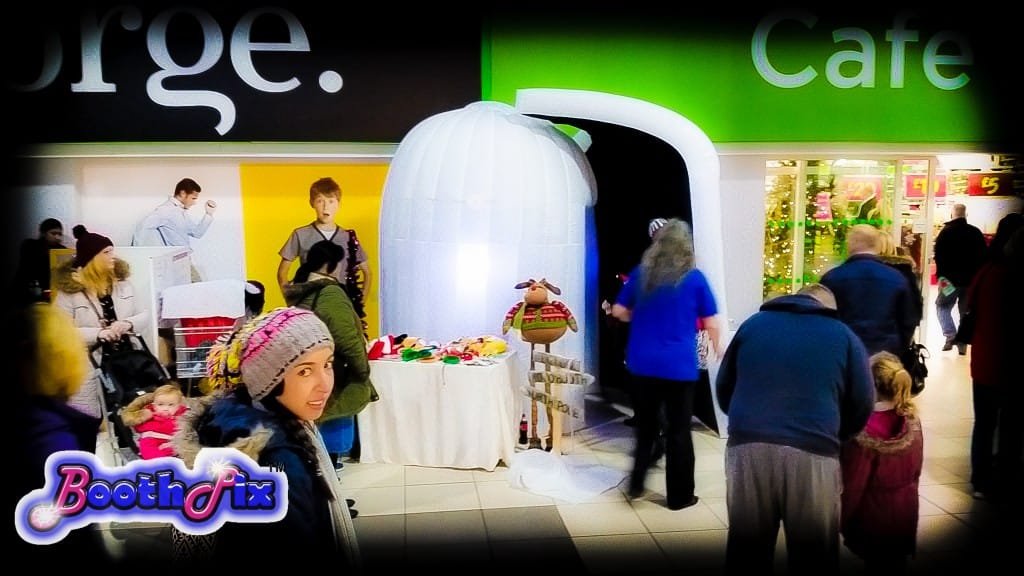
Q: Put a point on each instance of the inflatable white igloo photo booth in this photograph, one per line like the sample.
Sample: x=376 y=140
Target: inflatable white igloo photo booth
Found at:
x=477 y=200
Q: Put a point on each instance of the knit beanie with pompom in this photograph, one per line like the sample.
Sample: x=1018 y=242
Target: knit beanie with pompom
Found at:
x=88 y=246
x=262 y=351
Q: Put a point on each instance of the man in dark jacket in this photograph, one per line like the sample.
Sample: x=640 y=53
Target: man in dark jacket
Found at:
x=959 y=253
x=795 y=383
x=873 y=299
x=32 y=278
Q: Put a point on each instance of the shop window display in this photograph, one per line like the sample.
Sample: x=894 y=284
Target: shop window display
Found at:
x=809 y=206
x=779 y=228
x=913 y=208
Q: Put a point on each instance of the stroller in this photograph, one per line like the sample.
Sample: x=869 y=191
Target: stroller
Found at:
x=127 y=370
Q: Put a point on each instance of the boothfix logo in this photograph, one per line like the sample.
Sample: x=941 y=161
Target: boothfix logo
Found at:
x=223 y=486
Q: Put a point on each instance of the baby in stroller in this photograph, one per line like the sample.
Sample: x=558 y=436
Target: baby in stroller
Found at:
x=154 y=418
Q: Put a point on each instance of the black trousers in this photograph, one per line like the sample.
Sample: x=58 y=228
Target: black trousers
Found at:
x=676 y=398
x=996 y=439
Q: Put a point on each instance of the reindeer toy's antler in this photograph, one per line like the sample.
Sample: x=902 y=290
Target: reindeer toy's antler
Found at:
x=526 y=284
x=551 y=287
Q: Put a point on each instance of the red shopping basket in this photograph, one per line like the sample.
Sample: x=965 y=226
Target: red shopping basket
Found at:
x=194 y=333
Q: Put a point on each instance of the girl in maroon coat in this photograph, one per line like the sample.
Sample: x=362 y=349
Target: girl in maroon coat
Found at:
x=881 y=471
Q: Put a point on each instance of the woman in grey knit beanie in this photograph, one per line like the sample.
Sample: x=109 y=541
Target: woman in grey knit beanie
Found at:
x=272 y=378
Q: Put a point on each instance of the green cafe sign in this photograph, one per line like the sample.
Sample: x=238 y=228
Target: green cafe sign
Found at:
x=788 y=76
x=865 y=55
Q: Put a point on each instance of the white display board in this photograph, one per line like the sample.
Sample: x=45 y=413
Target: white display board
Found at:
x=153 y=270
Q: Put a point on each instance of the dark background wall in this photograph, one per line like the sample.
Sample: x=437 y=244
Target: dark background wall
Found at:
x=639 y=177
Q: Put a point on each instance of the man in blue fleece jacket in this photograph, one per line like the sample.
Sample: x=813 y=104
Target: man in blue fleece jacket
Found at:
x=795 y=383
x=872 y=298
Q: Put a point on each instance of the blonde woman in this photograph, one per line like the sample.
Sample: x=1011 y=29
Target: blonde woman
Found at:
x=94 y=289
x=889 y=254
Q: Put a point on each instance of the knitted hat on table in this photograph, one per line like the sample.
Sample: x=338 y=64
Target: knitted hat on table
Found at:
x=88 y=246
x=262 y=351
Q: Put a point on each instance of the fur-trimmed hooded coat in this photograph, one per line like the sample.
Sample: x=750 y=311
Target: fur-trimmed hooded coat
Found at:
x=86 y=311
x=317 y=525
x=905 y=266
x=881 y=473
x=155 y=431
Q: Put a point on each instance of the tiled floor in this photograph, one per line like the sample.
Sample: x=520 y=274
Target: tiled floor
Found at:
x=459 y=518
x=421 y=517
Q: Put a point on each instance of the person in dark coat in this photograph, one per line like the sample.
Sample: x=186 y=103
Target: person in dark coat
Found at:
x=795 y=384
x=50 y=367
x=882 y=473
x=32 y=278
x=995 y=377
x=959 y=253
x=314 y=287
x=873 y=299
x=888 y=254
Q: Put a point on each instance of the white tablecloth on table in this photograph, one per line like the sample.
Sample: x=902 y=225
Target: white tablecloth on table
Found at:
x=441 y=415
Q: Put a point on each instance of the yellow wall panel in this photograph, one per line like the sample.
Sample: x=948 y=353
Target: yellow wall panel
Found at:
x=275 y=201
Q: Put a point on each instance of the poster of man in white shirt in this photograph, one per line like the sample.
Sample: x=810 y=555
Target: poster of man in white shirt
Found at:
x=169 y=224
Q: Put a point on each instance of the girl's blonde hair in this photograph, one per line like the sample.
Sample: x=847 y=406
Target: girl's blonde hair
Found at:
x=171 y=389
x=892 y=381
x=886 y=245
x=97 y=280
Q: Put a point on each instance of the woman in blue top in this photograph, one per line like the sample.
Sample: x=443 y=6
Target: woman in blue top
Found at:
x=663 y=299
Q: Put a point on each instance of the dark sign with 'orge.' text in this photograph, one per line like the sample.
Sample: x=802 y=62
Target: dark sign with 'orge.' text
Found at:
x=291 y=72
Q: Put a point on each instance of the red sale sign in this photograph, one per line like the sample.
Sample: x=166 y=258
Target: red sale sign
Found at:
x=990 y=184
x=915 y=185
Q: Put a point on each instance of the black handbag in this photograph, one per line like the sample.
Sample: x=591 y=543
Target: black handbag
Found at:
x=914 y=361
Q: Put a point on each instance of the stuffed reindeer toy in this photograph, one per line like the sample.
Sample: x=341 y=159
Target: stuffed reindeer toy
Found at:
x=539 y=321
